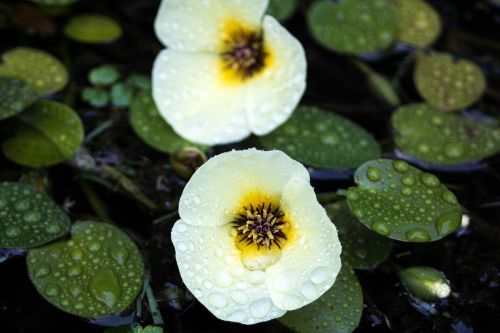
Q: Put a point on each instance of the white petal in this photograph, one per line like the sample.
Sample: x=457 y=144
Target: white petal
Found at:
x=274 y=94
x=212 y=270
x=309 y=264
x=198 y=25
x=214 y=193
x=190 y=95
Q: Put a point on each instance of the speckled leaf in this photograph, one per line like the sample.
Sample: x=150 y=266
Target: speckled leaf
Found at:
x=419 y=23
x=15 y=96
x=443 y=138
x=282 y=9
x=361 y=247
x=46 y=134
x=37 y=68
x=446 y=83
x=152 y=128
x=337 y=311
x=97 y=273
x=28 y=218
x=323 y=139
x=402 y=202
x=353 y=26
x=93 y=29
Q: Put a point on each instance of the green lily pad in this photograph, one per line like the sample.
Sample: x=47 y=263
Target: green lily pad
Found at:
x=28 y=218
x=97 y=273
x=15 y=96
x=353 y=26
x=337 y=311
x=152 y=128
x=104 y=75
x=93 y=29
x=442 y=138
x=323 y=139
x=448 y=84
x=282 y=9
x=96 y=97
x=419 y=23
x=46 y=134
x=37 y=68
x=402 y=202
x=121 y=94
x=361 y=247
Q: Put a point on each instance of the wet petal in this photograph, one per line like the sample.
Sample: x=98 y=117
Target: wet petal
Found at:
x=309 y=264
x=198 y=25
x=211 y=268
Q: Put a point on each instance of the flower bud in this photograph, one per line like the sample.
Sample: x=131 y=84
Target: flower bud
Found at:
x=186 y=160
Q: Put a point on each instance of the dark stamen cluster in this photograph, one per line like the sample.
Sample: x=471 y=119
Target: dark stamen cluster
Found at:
x=261 y=225
x=245 y=54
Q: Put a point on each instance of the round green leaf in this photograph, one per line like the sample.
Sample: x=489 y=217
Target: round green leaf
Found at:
x=121 y=94
x=402 y=202
x=353 y=26
x=93 y=29
x=104 y=75
x=37 y=68
x=96 y=97
x=337 y=311
x=97 y=273
x=361 y=247
x=323 y=139
x=446 y=83
x=419 y=23
x=282 y=9
x=15 y=96
x=152 y=128
x=28 y=218
x=442 y=138
x=46 y=134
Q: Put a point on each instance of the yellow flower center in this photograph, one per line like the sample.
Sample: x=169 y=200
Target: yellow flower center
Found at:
x=243 y=53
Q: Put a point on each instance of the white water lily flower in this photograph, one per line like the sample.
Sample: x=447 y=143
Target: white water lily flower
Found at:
x=253 y=241
x=228 y=71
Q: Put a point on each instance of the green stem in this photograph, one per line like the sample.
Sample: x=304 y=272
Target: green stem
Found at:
x=153 y=306
x=165 y=218
x=97 y=205
x=99 y=130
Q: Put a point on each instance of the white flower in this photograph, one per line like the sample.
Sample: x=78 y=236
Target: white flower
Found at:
x=228 y=71
x=252 y=241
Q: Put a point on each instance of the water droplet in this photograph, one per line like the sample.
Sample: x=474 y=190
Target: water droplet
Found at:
x=454 y=150
x=77 y=254
x=94 y=246
x=217 y=299
x=42 y=271
x=408 y=180
x=105 y=288
x=330 y=139
x=53 y=228
x=320 y=275
x=32 y=216
x=361 y=253
x=51 y=290
x=119 y=254
x=449 y=197
x=352 y=195
x=309 y=290
x=400 y=166
x=418 y=235
x=406 y=191
x=22 y=205
x=292 y=302
x=75 y=291
x=381 y=228
x=429 y=180
x=373 y=174
x=447 y=223
x=261 y=307
x=424 y=148
x=238 y=316
x=13 y=232
x=74 y=271
x=181 y=227
x=257 y=277
x=239 y=297
x=223 y=279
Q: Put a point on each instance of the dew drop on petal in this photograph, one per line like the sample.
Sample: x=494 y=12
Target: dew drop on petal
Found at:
x=217 y=299
x=260 y=307
x=320 y=275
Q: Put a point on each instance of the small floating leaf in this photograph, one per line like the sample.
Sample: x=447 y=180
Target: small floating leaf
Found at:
x=323 y=139
x=361 y=247
x=402 y=202
x=37 y=68
x=28 y=218
x=426 y=283
x=84 y=276
x=419 y=23
x=46 y=134
x=337 y=311
x=152 y=128
x=446 y=83
x=93 y=29
x=15 y=96
x=353 y=26
x=96 y=97
x=282 y=9
x=443 y=138
x=104 y=75
x=121 y=95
